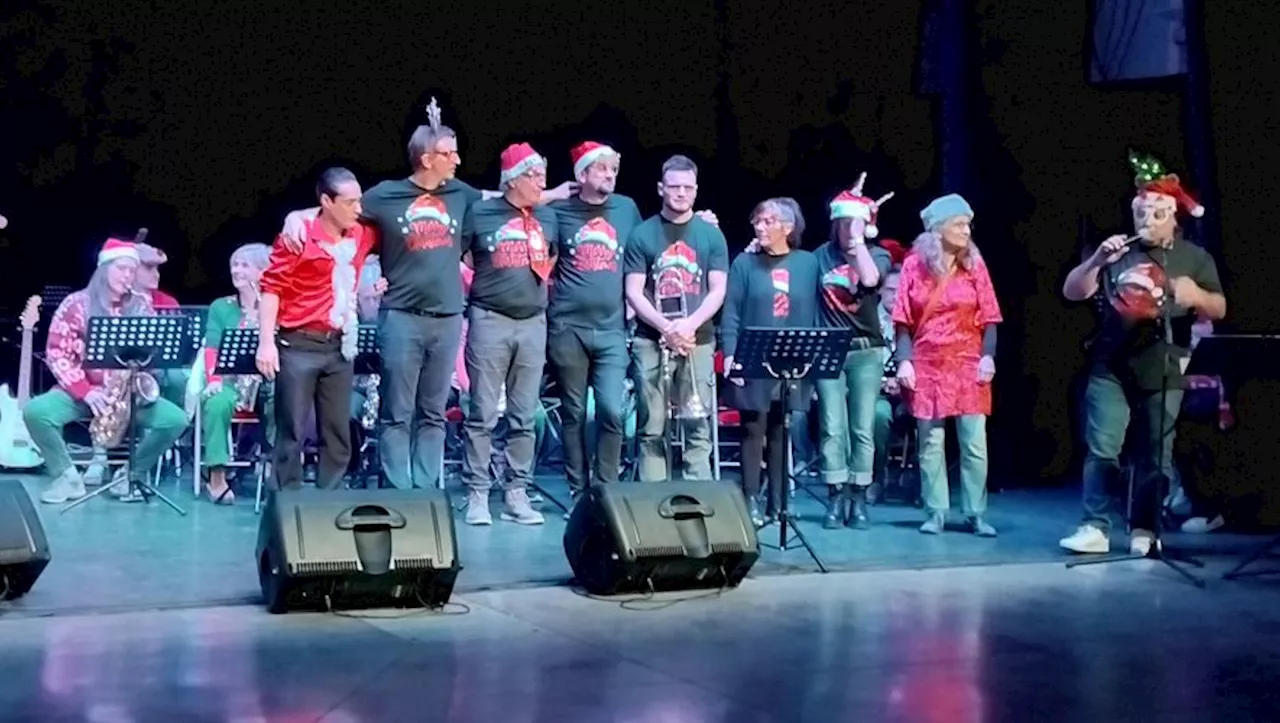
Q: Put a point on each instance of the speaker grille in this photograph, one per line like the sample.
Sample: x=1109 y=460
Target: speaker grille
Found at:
x=659 y=551
x=727 y=548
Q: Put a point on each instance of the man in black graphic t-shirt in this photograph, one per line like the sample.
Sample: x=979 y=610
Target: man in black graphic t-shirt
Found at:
x=676 y=267
x=587 y=342
x=1152 y=287
x=419 y=222
x=512 y=241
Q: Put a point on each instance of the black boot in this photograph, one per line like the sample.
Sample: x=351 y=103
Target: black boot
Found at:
x=858 y=510
x=835 y=507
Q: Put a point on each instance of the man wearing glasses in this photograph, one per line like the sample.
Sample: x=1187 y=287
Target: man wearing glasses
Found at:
x=511 y=241
x=418 y=223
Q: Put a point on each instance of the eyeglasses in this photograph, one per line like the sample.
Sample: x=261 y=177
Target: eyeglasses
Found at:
x=448 y=154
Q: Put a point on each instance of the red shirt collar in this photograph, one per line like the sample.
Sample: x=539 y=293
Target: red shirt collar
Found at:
x=317 y=232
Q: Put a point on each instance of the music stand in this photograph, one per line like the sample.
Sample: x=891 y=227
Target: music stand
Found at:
x=192 y=330
x=136 y=344
x=790 y=356
x=1238 y=358
x=368 y=361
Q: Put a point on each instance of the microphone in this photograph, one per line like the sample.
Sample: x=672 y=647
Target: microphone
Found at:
x=1142 y=235
x=140 y=236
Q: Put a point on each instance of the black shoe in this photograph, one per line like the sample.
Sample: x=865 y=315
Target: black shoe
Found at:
x=834 y=519
x=858 y=519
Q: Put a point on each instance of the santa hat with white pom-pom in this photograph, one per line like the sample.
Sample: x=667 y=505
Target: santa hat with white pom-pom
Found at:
x=852 y=204
x=1152 y=180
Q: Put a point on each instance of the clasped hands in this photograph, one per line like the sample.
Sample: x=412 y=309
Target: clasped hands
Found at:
x=680 y=336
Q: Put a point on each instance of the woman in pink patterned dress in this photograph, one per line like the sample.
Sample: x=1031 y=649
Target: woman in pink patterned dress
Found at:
x=946 y=314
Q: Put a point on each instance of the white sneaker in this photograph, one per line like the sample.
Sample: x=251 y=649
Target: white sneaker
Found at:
x=67 y=487
x=1203 y=525
x=478 y=508
x=516 y=508
x=1140 y=542
x=1087 y=540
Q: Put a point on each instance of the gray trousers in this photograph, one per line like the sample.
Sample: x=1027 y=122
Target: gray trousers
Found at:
x=501 y=350
x=418 y=354
x=652 y=400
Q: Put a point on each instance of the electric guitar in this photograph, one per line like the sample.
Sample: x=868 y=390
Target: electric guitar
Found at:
x=16 y=448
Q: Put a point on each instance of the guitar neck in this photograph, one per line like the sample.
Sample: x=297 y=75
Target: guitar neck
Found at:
x=24 y=369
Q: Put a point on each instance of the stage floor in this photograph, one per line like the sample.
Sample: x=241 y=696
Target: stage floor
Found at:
x=1010 y=644
x=109 y=556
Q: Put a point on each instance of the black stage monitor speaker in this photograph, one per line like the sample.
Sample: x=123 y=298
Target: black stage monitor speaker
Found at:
x=629 y=538
x=24 y=550
x=352 y=549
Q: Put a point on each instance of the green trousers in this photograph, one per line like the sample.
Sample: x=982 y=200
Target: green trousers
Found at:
x=216 y=412
x=160 y=424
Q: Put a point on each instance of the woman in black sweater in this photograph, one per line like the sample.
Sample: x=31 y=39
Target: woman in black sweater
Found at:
x=776 y=287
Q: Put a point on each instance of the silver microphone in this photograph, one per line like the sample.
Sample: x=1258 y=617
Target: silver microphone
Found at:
x=1142 y=234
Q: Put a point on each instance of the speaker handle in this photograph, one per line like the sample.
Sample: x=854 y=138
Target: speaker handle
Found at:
x=689 y=507
x=349 y=520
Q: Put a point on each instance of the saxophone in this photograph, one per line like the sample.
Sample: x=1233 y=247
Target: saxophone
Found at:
x=107 y=429
x=369 y=412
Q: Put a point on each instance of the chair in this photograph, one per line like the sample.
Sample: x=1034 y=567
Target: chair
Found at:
x=725 y=418
x=452 y=457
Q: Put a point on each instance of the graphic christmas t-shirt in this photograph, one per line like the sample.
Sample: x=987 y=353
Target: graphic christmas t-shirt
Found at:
x=587 y=289
x=420 y=232
x=675 y=259
x=512 y=252
x=846 y=303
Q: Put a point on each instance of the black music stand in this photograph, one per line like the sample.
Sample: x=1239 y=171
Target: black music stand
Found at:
x=369 y=361
x=192 y=330
x=790 y=356
x=136 y=344
x=1238 y=358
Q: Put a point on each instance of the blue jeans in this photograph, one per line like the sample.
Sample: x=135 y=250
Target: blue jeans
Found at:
x=1108 y=407
x=847 y=407
x=971 y=433
x=417 y=354
x=501 y=350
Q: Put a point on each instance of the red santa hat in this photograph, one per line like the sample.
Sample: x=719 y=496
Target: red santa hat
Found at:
x=897 y=252
x=584 y=154
x=518 y=159
x=852 y=204
x=115 y=249
x=1151 y=179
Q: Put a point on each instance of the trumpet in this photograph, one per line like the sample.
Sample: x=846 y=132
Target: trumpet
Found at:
x=668 y=291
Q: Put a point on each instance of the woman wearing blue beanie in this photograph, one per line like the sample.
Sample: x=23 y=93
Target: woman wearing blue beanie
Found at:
x=946 y=314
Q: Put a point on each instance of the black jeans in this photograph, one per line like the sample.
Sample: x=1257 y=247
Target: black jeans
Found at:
x=312 y=372
x=418 y=353
x=761 y=430
x=585 y=358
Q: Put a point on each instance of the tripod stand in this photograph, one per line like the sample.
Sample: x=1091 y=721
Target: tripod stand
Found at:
x=137 y=345
x=1168 y=419
x=792 y=357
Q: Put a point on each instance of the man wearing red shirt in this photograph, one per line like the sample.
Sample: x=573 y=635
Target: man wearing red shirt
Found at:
x=311 y=298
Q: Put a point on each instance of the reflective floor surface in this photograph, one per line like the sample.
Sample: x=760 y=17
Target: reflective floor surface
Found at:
x=1125 y=642
x=109 y=556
